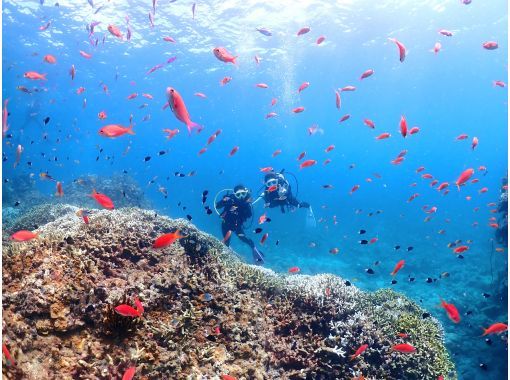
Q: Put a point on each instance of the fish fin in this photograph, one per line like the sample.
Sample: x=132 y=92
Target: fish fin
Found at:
x=234 y=60
x=130 y=130
x=192 y=124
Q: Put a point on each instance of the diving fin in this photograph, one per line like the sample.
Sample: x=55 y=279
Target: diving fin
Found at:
x=310 y=218
x=258 y=256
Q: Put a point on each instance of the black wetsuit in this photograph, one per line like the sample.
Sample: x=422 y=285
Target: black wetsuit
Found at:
x=235 y=213
x=274 y=199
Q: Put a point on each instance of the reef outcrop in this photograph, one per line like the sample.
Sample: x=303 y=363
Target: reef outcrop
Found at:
x=206 y=313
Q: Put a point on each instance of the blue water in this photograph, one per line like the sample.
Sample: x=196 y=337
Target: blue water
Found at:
x=445 y=95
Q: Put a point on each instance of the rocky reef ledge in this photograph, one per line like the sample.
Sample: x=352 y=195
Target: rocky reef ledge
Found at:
x=207 y=314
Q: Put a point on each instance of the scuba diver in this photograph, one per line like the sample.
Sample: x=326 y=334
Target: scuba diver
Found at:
x=278 y=192
x=502 y=230
x=237 y=209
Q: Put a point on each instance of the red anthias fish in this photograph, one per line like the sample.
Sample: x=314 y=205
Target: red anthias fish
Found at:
x=167 y=239
x=451 y=311
x=179 y=108
x=102 y=199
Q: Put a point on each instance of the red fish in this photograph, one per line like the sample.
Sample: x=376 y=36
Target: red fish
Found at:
x=451 y=311
x=200 y=95
x=171 y=133
x=270 y=189
x=369 y=123
x=320 y=40
x=103 y=200
x=348 y=88
x=264 y=238
x=261 y=85
x=223 y=55
x=499 y=83
x=344 y=118
x=132 y=96
x=7 y=354
x=301 y=156
x=464 y=177
x=354 y=188
x=496 y=328
x=329 y=148
x=474 y=143
x=437 y=47
x=228 y=377
x=225 y=80
x=461 y=249
x=303 y=30
x=403 y=126
x=490 y=45
x=307 y=164
x=403 y=348
x=5 y=116
x=202 y=151
x=412 y=197
x=442 y=186
x=401 y=49
x=233 y=151
x=167 y=239
x=266 y=169
x=127 y=311
x=50 y=59
x=34 y=75
x=399 y=266
x=359 y=351
x=274 y=101
x=227 y=236
x=271 y=114
x=445 y=32
x=414 y=130
x=60 y=191
x=334 y=251
x=327 y=161
x=420 y=169
x=303 y=86
x=168 y=39
x=114 y=31
x=23 y=235
x=366 y=74
x=462 y=137
x=383 y=136
x=298 y=109
x=276 y=152
x=129 y=374
x=85 y=54
x=483 y=190
x=102 y=115
x=179 y=108
x=115 y=130
x=294 y=270
x=338 y=100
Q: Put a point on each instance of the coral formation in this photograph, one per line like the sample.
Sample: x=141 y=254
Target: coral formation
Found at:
x=206 y=312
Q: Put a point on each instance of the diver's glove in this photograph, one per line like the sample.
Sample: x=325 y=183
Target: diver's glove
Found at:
x=304 y=205
x=258 y=256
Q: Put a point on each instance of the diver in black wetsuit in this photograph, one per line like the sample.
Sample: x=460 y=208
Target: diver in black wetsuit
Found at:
x=277 y=192
x=236 y=210
x=502 y=230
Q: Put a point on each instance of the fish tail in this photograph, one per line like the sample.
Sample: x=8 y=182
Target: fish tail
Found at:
x=192 y=124
x=352 y=357
x=130 y=130
x=234 y=60
x=484 y=331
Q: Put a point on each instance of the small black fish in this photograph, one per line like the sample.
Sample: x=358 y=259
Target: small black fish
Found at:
x=46 y=120
x=97 y=158
x=179 y=204
x=9 y=135
x=148 y=158
x=124 y=171
x=488 y=341
x=393 y=282
x=425 y=315
x=363 y=241
x=189 y=217
x=484 y=366
x=258 y=230
x=486 y=295
x=460 y=256
x=162 y=152
x=123 y=193
x=101 y=150
x=411 y=279
x=17 y=203
x=370 y=213
x=377 y=263
x=6 y=180
x=397 y=247
x=277 y=242
x=4 y=158
x=209 y=211
x=268 y=220
x=361 y=232
x=347 y=283
x=469 y=312
x=428 y=280
x=205 y=193
x=184 y=208
x=369 y=271
x=409 y=249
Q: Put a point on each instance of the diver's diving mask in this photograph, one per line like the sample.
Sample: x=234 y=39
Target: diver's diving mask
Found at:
x=272 y=182
x=241 y=193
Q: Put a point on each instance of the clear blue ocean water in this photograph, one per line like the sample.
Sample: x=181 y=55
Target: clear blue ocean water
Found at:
x=445 y=95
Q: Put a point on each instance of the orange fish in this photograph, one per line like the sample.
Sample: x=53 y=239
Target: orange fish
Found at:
x=294 y=270
x=34 y=75
x=127 y=311
x=307 y=163
x=171 y=133
x=354 y=188
x=298 y=109
x=115 y=130
x=7 y=354
x=103 y=200
x=369 y=123
x=167 y=239
x=261 y=85
x=114 y=31
x=228 y=377
x=23 y=235
x=223 y=55
x=461 y=249
x=85 y=54
x=225 y=80
x=404 y=348
x=383 y=136
x=366 y=74
x=464 y=177
x=179 y=108
x=129 y=374
x=399 y=266
x=329 y=148
x=403 y=126
x=50 y=59
x=60 y=191
x=451 y=311
x=359 y=351
x=401 y=49
x=496 y=328
x=267 y=169
x=233 y=151
x=227 y=236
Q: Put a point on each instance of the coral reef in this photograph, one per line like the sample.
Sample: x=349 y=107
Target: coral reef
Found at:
x=206 y=312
